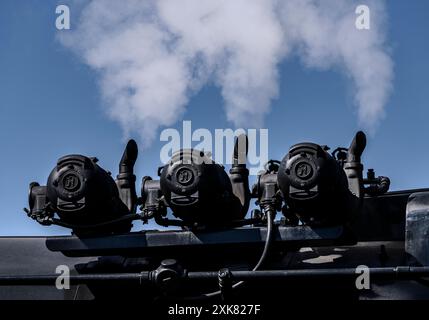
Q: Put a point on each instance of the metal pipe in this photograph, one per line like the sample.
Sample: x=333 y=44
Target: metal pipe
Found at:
x=389 y=272
x=377 y=186
x=398 y=273
x=42 y=280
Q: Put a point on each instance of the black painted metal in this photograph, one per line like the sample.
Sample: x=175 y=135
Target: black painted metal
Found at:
x=388 y=273
x=400 y=272
x=417 y=227
x=147 y=242
x=383 y=217
x=40 y=280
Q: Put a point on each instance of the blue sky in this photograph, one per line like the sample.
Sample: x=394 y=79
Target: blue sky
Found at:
x=50 y=106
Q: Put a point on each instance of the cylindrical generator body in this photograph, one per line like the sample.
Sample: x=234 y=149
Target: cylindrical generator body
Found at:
x=82 y=193
x=199 y=191
x=314 y=185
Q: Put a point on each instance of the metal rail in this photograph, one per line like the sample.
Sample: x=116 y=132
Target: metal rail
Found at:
x=393 y=273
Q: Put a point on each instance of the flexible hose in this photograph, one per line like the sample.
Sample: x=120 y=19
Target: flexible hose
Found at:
x=270 y=212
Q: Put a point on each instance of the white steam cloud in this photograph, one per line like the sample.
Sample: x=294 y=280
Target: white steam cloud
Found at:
x=152 y=56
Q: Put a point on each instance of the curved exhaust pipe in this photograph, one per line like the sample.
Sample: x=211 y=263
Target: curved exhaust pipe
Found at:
x=353 y=165
x=126 y=180
x=239 y=174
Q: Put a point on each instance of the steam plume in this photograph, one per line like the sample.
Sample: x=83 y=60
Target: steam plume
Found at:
x=152 y=56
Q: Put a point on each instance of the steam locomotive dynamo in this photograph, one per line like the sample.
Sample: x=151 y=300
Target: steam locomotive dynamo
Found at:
x=331 y=219
x=309 y=186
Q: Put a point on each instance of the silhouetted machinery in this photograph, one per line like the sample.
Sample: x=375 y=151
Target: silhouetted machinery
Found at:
x=198 y=190
x=316 y=188
x=324 y=199
x=85 y=197
x=310 y=187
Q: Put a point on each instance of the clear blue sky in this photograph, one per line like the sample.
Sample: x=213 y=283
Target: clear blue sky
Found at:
x=50 y=106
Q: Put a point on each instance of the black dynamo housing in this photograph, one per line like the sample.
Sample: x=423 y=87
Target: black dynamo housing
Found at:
x=198 y=190
x=85 y=197
x=313 y=184
x=81 y=192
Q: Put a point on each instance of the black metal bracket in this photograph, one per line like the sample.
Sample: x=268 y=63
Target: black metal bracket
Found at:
x=176 y=242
